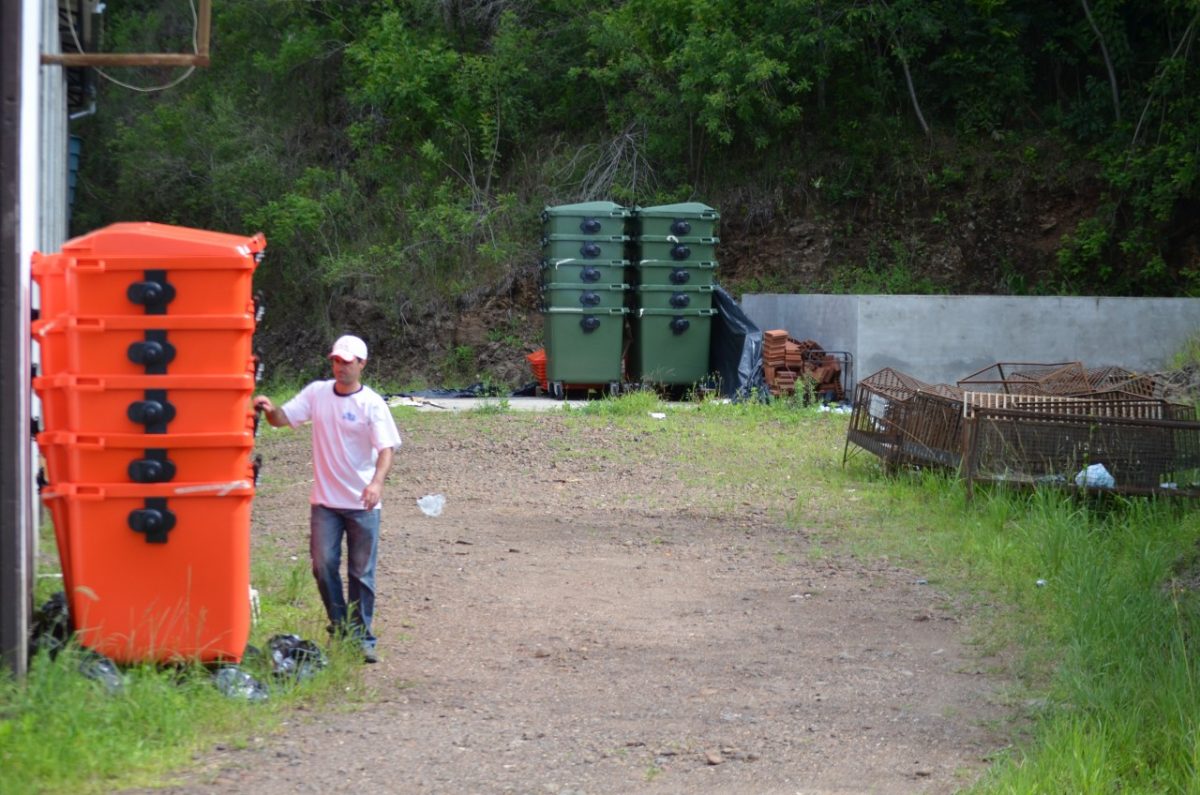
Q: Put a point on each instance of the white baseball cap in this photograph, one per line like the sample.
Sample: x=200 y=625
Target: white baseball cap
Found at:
x=349 y=348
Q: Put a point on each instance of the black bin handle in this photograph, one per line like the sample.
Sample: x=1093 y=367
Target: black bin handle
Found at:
x=155 y=520
x=151 y=294
x=150 y=412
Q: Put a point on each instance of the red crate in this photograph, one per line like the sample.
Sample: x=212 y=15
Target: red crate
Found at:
x=537 y=362
x=140 y=592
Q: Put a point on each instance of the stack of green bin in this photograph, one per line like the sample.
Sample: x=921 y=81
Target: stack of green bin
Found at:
x=583 y=294
x=672 y=322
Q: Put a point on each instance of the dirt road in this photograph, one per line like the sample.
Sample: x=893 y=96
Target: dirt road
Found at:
x=581 y=622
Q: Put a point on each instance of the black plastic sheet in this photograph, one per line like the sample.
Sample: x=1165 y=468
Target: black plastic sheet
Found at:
x=735 y=354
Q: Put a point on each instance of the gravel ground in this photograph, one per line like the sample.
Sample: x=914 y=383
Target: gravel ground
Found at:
x=595 y=629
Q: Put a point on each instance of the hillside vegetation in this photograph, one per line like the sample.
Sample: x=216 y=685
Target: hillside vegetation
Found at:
x=397 y=154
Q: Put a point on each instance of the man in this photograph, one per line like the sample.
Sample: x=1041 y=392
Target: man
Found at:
x=354 y=440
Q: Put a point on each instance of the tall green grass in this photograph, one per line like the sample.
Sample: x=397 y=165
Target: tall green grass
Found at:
x=62 y=732
x=1095 y=602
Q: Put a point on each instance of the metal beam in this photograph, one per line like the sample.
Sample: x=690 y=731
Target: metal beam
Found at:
x=15 y=526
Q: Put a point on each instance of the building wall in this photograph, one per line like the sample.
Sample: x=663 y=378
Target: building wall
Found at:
x=941 y=339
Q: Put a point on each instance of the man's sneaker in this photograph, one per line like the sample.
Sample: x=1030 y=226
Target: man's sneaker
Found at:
x=369 y=655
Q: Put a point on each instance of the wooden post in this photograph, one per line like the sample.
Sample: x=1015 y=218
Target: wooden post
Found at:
x=200 y=58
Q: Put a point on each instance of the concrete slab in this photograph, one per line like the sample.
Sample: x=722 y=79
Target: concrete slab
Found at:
x=470 y=404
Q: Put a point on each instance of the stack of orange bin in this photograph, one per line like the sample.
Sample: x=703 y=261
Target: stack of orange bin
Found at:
x=145 y=334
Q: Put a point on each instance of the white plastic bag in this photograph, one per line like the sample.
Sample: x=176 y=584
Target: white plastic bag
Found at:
x=1096 y=476
x=432 y=504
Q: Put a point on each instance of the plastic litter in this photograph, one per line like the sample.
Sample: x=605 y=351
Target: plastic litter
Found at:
x=236 y=683
x=100 y=669
x=1096 y=476
x=658 y=415
x=294 y=657
x=432 y=504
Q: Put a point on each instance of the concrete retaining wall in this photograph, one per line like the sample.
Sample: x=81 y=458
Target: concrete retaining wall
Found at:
x=940 y=339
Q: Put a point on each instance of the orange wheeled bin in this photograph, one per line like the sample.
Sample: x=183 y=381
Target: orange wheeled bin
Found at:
x=157 y=572
x=145 y=335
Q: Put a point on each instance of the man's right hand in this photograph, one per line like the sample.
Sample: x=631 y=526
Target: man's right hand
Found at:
x=273 y=413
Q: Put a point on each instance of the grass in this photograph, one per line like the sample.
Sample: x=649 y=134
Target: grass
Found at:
x=1102 y=655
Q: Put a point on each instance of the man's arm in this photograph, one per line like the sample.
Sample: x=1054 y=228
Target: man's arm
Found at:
x=374 y=490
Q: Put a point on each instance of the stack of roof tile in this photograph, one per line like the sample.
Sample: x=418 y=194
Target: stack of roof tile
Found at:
x=787 y=360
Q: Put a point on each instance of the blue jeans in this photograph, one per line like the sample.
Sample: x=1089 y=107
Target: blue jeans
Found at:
x=361 y=529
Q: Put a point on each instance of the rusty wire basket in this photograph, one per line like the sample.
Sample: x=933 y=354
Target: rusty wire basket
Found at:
x=1022 y=425
x=1030 y=378
x=1142 y=454
x=905 y=421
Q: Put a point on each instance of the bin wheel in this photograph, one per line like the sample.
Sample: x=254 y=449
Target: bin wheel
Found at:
x=556 y=390
x=614 y=388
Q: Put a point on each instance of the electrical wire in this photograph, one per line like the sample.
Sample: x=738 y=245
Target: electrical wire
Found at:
x=150 y=89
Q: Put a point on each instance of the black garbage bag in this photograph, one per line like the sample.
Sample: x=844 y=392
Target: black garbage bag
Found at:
x=476 y=390
x=294 y=657
x=51 y=629
x=233 y=682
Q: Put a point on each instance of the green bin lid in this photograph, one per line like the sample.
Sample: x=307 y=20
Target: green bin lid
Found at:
x=609 y=209
x=599 y=310
x=675 y=288
x=566 y=263
x=675 y=263
x=695 y=241
x=554 y=238
x=684 y=210
x=581 y=287
x=669 y=312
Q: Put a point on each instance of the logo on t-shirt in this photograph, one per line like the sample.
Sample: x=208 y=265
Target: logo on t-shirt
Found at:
x=348 y=416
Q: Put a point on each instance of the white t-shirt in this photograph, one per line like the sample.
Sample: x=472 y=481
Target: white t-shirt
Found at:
x=348 y=432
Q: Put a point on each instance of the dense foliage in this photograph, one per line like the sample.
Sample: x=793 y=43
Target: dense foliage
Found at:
x=396 y=153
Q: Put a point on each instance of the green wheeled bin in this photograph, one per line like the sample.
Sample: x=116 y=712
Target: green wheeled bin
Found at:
x=588 y=218
x=583 y=346
x=587 y=247
x=671 y=346
x=669 y=296
x=583 y=271
x=583 y=296
x=673 y=248
x=679 y=274
x=690 y=219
